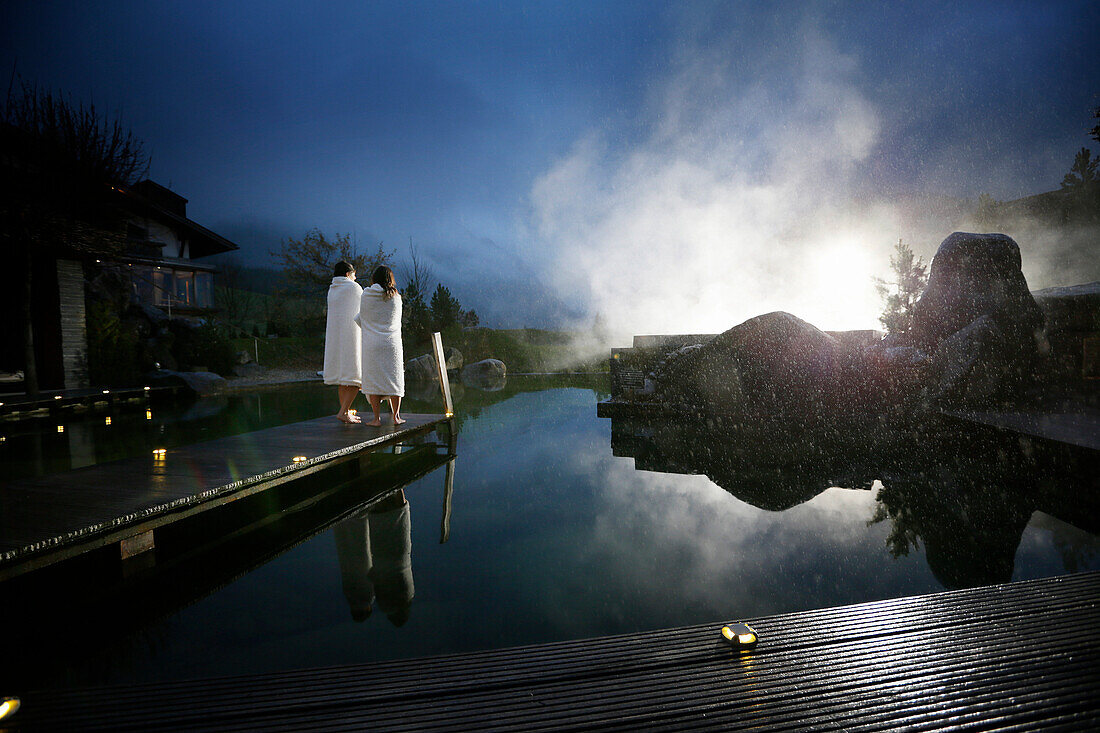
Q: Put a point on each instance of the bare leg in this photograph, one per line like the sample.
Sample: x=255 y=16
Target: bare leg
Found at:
x=347 y=396
x=395 y=405
x=376 y=406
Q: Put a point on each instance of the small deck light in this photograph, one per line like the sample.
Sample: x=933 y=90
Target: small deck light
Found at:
x=159 y=454
x=107 y=421
x=300 y=459
x=60 y=428
x=57 y=396
x=353 y=413
x=148 y=414
x=145 y=388
x=740 y=635
x=8 y=706
x=106 y=391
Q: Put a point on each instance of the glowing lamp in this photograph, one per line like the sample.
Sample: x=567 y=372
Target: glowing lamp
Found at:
x=300 y=459
x=57 y=396
x=106 y=421
x=60 y=428
x=739 y=635
x=148 y=414
x=106 y=391
x=353 y=413
x=159 y=454
x=145 y=388
x=8 y=706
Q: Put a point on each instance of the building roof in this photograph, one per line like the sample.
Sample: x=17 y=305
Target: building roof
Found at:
x=151 y=199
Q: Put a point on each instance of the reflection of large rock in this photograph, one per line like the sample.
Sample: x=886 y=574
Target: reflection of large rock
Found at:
x=487 y=374
x=767 y=362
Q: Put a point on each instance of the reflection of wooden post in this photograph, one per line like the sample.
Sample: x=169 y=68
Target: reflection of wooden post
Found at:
x=441 y=365
x=448 y=489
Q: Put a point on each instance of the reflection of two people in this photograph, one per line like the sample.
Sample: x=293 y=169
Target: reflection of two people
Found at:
x=374 y=548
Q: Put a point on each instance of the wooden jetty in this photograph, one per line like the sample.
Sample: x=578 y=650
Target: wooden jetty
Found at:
x=51 y=518
x=1019 y=656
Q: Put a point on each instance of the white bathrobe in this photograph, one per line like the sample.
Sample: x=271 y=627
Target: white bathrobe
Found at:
x=342 y=335
x=383 y=361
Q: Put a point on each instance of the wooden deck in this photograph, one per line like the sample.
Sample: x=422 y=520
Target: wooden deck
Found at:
x=1021 y=656
x=54 y=517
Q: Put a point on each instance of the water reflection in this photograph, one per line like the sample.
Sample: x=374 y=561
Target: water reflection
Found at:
x=374 y=548
x=131 y=615
x=965 y=493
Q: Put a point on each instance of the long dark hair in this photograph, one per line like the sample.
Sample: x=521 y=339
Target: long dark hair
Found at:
x=384 y=276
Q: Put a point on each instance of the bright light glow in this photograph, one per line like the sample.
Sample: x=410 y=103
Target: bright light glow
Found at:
x=739 y=635
x=300 y=459
x=450 y=414
x=106 y=391
x=145 y=388
x=57 y=396
x=8 y=706
x=60 y=428
x=353 y=413
x=148 y=414
x=161 y=452
x=106 y=421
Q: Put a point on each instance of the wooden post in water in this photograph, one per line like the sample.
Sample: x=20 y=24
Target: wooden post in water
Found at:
x=441 y=365
x=448 y=491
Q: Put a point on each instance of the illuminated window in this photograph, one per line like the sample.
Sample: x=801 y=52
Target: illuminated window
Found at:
x=185 y=288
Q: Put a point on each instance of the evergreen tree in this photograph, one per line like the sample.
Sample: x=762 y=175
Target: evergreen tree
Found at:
x=900 y=294
x=445 y=308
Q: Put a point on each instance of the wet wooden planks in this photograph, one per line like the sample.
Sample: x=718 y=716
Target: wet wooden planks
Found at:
x=49 y=518
x=1020 y=656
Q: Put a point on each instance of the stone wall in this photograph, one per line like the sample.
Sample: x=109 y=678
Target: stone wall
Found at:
x=74 y=337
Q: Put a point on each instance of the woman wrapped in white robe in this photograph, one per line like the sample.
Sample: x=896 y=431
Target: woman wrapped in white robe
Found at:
x=383 y=363
x=343 y=338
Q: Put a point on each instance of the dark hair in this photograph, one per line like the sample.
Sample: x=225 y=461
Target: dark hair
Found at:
x=342 y=269
x=384 y=276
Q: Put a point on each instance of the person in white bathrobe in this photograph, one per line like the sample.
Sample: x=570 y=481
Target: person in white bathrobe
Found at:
x=343 y=338
x=383 y=363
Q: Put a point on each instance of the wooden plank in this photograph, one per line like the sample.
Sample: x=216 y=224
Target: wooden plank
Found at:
x=441 y=367
x=1023 y=655
x=51 y=518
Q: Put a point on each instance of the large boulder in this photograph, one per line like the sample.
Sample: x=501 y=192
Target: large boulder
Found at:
x=453 y=357
x=974 y=275
x=421 y=369
x=201 y=383
x=487 y=374
x=977 y=321
x=770 y=362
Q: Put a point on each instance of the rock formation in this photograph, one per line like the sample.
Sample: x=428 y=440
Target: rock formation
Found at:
x=976 y=337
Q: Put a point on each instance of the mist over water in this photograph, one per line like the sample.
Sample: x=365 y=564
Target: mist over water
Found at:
x=748 y=186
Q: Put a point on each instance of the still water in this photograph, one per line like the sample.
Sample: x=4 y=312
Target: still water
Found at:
x=556 y=531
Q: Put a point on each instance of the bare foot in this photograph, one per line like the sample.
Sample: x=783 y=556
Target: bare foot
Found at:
x=375 y=423
x=397 y=420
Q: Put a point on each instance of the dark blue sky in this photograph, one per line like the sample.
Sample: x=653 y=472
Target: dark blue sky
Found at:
x=468 y=125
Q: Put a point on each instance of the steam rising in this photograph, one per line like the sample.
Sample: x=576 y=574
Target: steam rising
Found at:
x=747 y=191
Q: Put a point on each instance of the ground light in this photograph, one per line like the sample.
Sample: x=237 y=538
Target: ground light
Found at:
x=300 y=459
x=8 y=706
x=740 y=635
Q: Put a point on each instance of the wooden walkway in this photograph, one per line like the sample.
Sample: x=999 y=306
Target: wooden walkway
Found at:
x=1021 y=656
x=51 y=518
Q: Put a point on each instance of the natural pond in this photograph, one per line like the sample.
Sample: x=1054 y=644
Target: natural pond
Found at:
x=561 y=525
